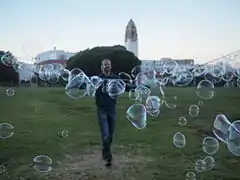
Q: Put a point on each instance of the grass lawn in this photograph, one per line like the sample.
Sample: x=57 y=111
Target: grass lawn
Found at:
x=39 y=116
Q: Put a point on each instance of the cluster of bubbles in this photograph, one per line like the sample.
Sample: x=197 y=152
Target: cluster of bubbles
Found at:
x=11 y=61
x=223 y=130
x=146 y=90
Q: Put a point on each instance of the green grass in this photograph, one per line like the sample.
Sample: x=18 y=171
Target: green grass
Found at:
x=39 y=116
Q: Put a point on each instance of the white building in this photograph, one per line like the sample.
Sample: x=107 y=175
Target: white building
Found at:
x=53 y=56
x=131 y=38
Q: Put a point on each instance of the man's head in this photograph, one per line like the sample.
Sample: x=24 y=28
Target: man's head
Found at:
x=106 y=66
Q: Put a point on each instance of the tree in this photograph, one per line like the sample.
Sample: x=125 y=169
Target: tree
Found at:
x=89 y=60
x=8 y=76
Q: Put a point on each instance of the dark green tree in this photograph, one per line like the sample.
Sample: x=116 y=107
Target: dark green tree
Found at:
x=8 y=76
x=89 y=60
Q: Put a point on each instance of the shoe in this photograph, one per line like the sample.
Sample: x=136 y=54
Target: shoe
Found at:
x=108 y=163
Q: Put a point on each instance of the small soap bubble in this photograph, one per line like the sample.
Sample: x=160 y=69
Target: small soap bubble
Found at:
x=190 y=176
x=64 y=133
x=200 y=103
x=179 y=140
x=200 y=165
x=42 y=163
x=182 y=121
x=10 y=92
x=210 y=145
x=194 y=110
x=210 y=163
x=2 y=169
x=6 y=130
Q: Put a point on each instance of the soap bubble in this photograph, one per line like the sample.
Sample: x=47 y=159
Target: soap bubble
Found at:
x=194 y=110
x=142 y=92
x=6 y=130
x=209 y=163
x=76 y=87
x=205 y=89
x=200 y=165
x=2 y=169
x=179 y=140
x=132 y=94
x=65 y=73
x=137 y=115
x=220 y=127
x=170 y=66
x=10 y=92
x=42 y=163
x=233 y=141
x=153 y=104
x=200 y=103
x=210 y=145
x=182 y=121
x=64 y=133
x=190 y=176
x=8 y=59
x=115 y=87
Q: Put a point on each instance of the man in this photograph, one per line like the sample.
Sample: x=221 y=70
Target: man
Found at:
x=106 y=111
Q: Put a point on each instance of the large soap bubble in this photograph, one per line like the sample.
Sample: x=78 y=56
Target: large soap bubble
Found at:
x=170 y=66
x=233 y=140
x=115 y=87
x=142 y=92
x=220 y=127
x=76 y=87
x=152 y=104
x=8 y=59
x=141 y=79
x=53 y=76
x=181 y=77
x=137 y=115
x=205 y=89
x=126 y=78
x=97 y=81
x=65 y=73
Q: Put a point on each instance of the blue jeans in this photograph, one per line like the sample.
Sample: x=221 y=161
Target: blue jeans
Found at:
x=107 y=125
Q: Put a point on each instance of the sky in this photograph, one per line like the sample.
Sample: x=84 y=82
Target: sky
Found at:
x=180 y=29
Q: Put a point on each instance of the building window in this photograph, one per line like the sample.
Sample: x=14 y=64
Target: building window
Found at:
x=133 y=33
x=62 y=57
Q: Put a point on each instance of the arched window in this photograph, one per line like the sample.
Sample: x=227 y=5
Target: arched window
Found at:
x=133 y=33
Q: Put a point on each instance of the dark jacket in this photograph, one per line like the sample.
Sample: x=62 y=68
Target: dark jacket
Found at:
x=103 y=100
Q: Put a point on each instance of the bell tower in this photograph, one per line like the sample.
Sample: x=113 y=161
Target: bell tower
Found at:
x=131 y=38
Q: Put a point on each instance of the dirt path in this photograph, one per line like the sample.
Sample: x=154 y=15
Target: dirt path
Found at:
x=90 y=166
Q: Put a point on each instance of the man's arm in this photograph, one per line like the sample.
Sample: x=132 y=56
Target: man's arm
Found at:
x=128 y=86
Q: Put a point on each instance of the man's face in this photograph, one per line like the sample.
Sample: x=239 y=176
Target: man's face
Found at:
x=106 y=66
